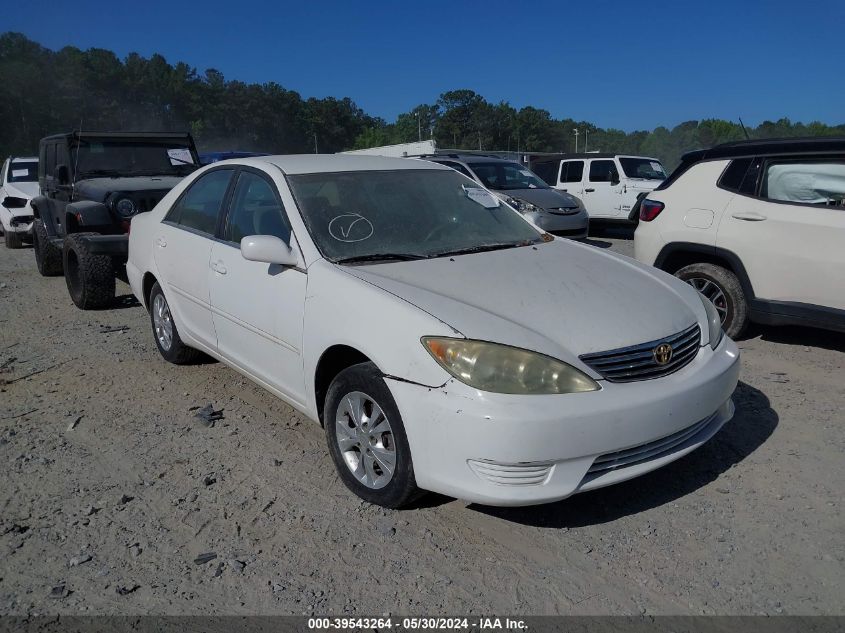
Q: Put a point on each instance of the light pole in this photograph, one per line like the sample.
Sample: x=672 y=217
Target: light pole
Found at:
x=585 y=140
x=419 y=126
x=575 y=131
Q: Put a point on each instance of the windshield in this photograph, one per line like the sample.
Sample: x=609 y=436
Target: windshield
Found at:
x=404 y=214
x=23 y=171
x=642 y=168
x=505 y=176
x=118 y=157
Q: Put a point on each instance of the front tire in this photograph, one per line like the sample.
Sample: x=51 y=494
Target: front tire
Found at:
x=165 y=334
x=48 y=258
x=89 y=277
x=13 y=240
x=366 y=438
x=721 y=286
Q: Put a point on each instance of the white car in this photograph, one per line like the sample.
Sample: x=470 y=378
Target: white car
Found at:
x=443 y=342
x=608 y=184
x=758 y=227
x=18 y=186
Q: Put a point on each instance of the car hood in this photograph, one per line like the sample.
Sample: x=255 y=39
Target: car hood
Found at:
x=543 y=198
x=99 y=188
x=560 y=298
x=26 y=190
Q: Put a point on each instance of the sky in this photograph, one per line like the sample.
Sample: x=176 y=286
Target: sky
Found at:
x=626 y=65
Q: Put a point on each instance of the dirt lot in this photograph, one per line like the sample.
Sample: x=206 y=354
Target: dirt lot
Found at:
x=112 y=490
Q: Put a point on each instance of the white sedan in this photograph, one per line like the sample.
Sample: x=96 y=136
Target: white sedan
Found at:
x=442 y=341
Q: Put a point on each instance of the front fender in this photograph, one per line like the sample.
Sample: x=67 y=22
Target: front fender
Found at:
x=88 y=214
x=39 y=203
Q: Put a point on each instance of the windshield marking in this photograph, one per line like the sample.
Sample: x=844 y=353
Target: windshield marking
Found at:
x=337 y=225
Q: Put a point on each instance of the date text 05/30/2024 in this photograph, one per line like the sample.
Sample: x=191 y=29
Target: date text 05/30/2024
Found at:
x=414 y=624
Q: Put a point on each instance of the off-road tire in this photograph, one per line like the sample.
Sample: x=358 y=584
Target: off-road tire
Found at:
x=179 y=353
x=366 y=378
x=90 y=278
x=13 y=239
x=737 y=316
x=48 y=258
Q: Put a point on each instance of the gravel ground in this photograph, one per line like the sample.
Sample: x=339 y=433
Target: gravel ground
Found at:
x=117 y=499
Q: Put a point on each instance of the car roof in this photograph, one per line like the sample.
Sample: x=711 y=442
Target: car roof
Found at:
x=768 y=147
x=138 y=135
x=319 y=163
x=24 y=159
x=467 y=158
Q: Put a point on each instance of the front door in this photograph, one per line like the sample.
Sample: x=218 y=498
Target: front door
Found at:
x=602 y=191
x=259 y=308
x=569 y=179
x=182 y=248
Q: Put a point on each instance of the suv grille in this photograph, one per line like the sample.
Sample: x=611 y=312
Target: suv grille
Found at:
x=637 y=362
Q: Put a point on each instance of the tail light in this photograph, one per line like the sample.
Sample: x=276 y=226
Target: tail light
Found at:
x=650 y=209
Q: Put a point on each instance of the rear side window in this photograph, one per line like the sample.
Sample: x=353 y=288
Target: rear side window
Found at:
x=572 y=171
x=816 y=182
x=199 y=206
x=602 y=170
x=255 y=210
x=734 y=173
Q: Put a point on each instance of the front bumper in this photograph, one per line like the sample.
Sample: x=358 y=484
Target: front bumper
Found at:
x=510 y=450
x=571 y=225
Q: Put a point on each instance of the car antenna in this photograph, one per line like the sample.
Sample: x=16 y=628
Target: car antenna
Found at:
x=742 y=125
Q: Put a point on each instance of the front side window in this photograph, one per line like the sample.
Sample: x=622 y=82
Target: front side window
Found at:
x=23 y=171
x=505 y=176
x=820 y=182
x=572 y=171
x=404 y=214
x=603 y=171
x=255 y=210
x=646 y=168
x=199 y=206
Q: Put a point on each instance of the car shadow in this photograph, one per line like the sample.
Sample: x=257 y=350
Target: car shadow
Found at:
x=596 y=243
x=612 y=230
x=799 y=335
x=751 y=426
x=124 y=301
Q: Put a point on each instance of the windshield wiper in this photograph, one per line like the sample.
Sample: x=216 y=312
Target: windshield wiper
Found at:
x=483 y=248
x=380 y=257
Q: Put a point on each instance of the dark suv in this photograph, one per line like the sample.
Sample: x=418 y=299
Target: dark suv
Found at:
x=92 y=184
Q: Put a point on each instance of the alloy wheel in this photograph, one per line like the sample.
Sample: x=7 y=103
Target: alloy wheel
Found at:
x=162 y=322
x=365 y=439
x=713 y=292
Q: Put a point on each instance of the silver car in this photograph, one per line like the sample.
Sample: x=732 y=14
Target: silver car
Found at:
x=553 y=211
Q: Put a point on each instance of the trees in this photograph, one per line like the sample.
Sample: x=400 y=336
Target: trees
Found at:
x=50 y=91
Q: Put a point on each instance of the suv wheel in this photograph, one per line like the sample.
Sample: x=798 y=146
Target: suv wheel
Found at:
x=366 y=438
x=166 y=336
x=89 y=277
x=13 y=240
x=722 y=287
x=48 y=258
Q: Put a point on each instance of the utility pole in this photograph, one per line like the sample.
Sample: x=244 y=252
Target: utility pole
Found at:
x=419 y=126
x=585 y=140
x=479 y=140
x=575 y=131
x=315 y=143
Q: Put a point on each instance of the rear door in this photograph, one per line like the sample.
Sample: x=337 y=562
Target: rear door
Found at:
x=602 y=190
x=790 y=234
x=182 y=251
x=259 y=308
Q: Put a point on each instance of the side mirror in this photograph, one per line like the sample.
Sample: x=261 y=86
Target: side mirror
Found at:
x=11 y=202
x=268 y=249
x=614 y=178
x=61 y=175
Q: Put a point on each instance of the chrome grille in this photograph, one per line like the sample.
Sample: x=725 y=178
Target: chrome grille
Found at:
x=637 y=362
x=648 y=451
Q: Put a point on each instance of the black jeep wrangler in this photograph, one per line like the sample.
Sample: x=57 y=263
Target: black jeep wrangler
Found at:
x=92 y=184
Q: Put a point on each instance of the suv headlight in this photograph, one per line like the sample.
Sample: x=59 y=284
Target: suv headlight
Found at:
x=125 y=207
x=506 y=369
x=522 y=206
x=714 y=321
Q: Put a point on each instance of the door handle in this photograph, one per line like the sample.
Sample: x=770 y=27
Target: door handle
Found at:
x=218 y=267
x=564 y=189
x=161 y=242
x=749 y=217
x=589 y=190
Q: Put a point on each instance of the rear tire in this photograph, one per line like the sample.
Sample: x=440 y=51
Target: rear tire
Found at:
x=48 y=258
x=89 y=277
x=165 y=334
x=13 y=240
x=736 y=318
x=369 y=455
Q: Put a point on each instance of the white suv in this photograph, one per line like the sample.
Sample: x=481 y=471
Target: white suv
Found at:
x=758 y=227
x=608 y=184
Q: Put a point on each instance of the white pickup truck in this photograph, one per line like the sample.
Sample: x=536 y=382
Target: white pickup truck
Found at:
x=608 y=184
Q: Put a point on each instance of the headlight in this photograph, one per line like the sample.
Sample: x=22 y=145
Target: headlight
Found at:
x=125 y=207
x=714 y=321
x=505 y=369
x=521 y=205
